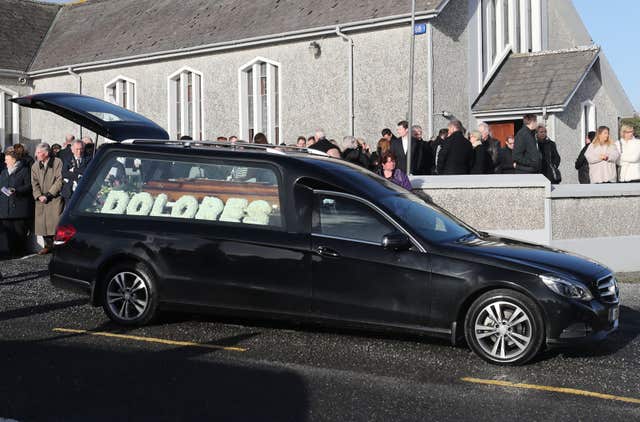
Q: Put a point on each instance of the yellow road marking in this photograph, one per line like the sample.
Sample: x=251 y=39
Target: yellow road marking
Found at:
x=552 y=389
x=149 y=339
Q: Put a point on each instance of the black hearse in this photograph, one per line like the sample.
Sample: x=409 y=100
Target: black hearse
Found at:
x=281 y=232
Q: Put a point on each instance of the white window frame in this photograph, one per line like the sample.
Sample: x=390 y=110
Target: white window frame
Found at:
x=257 y=110
x=198 y=115
x=525 y=31
x=15 y=110
x=588 y=121
x=132 y=100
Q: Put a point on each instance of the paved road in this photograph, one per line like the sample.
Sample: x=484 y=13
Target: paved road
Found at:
x=219 y=369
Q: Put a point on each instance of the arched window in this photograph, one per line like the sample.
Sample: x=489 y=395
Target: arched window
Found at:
x=122 y=91
x=259 y=82
x=9 y=119
x=185 y=104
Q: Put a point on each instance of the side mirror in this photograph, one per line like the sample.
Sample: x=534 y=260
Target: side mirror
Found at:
x=396 y=241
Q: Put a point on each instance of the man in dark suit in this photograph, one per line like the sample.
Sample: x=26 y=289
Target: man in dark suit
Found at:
x=399 y=148
x=526 y=152
x=65 y=153
x=456 y=154
x=73 y=169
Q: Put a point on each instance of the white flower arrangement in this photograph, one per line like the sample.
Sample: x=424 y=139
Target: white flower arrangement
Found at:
x=234 y=210
x=158 y=206
x=258 y=213
x=116 y=202
x=210 y=208
x=185 y=207
x=140 y=204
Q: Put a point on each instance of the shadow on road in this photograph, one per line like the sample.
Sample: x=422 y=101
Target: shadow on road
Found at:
x=23 y=278
x=85 y=383
x=40 y=309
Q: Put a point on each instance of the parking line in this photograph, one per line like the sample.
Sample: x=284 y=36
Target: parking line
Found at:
x=562 y=390
x=149 y=339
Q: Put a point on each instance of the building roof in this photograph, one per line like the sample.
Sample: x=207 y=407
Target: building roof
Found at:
x=535 y=80
x=98 y=30
x=23 y=26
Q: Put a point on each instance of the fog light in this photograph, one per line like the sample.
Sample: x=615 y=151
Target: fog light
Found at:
x=577 y=330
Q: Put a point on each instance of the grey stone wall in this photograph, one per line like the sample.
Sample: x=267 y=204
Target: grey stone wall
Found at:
x=314 y=91
x=494 y=208
x=451 y=64
x=579 y=218
x=490 y=202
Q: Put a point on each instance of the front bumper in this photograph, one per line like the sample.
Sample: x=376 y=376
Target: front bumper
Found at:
x=576 y=323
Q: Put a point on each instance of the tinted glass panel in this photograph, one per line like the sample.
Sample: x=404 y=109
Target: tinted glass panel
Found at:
x=100 y=109
x=139 y=186
x=424 y=219
x=349 y=219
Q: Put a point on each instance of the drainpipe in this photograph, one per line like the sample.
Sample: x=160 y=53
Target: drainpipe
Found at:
x=79 y=78
x=352 y=116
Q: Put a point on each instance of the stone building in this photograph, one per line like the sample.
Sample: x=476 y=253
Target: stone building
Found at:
x=285 y=67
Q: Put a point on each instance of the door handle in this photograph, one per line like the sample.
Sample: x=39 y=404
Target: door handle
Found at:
x=321 y=250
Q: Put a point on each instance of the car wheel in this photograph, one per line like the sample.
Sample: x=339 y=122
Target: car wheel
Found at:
x=504 y=327
x=129 y=295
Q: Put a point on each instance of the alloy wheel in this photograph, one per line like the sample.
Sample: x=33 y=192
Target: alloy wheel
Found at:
x=503 y=330
x=127 y=296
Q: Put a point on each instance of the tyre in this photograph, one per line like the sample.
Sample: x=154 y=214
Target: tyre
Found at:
x=129 y=296
x=504 y=327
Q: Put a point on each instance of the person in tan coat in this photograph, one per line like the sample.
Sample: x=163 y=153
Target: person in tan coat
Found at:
x=602 y=155
x=46 y=181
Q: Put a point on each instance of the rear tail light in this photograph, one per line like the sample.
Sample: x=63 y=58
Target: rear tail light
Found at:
x=64 y=234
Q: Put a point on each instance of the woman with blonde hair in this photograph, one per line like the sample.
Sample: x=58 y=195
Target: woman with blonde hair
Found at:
x=602 y=156
x=629 y=148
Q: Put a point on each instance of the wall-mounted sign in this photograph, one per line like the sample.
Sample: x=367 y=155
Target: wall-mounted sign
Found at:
x=420 y=28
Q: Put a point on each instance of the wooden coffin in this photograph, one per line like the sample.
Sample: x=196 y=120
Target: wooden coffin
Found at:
x=199 y=188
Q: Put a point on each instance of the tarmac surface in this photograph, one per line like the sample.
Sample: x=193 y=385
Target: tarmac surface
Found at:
x=61 y=359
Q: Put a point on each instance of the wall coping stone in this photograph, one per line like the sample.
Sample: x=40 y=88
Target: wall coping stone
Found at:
x=595 y=191
x=482 y=181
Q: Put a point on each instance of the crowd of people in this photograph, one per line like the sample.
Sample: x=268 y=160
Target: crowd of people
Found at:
x=33 y=192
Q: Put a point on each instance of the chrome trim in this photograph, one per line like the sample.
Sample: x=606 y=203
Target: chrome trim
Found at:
x=243 y=146
x=326 y=236
x=379 y=211
x=607 y=288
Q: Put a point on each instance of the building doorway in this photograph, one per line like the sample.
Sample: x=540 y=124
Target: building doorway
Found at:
x=501 y=130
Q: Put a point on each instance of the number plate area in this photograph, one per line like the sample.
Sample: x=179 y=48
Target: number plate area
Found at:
x=614 y=313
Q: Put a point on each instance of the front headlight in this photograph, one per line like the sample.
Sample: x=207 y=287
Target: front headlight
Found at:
x=570 y=289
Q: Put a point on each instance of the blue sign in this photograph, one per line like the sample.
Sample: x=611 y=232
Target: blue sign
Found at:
x=420 y=28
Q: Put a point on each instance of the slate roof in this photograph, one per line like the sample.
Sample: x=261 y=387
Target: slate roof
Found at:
x=23 y=25
x=107 y=29
x=536 y=80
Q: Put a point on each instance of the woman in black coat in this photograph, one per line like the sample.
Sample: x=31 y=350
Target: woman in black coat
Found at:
x=482 y=162
x=16 y=203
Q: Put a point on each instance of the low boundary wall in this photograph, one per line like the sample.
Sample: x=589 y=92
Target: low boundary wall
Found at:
x=601 y=222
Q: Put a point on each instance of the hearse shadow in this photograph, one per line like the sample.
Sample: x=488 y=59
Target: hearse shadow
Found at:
x=308 y=327
x=72 y=382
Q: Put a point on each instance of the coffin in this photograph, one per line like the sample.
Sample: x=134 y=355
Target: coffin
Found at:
x=199 y=188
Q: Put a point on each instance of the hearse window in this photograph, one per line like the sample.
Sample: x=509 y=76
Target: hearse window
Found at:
x=349 y=219
x=139 y=186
